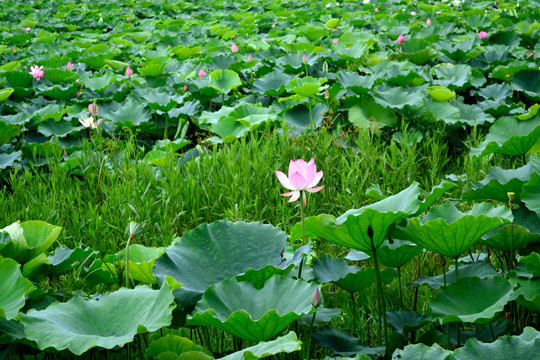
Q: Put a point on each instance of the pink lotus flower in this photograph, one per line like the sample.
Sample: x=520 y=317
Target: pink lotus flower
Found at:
x=127 y=18
x=201 y=73
x=27 y=29
x=250 y=58
x=129 y=72
x=316 y=298
x=303 y=176
x=78 y=93
x=88 y=122
x=376 y=9
x=37 y=72
x=93 y=111
x=482 y=35
x=334 y=30
x=334 y=41
x=234 y=48
x=70 y=66
x=401 y=39
x=428 y=21
x=413 y=13
x=304 y=59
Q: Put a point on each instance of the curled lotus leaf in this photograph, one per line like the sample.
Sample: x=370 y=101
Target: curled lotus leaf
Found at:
x=13 y=288
x=287 y=343
x=28 y=239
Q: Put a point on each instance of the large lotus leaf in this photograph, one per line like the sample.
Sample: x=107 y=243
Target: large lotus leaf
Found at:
x=13 y=288
x=272 y=84
x=352 y=229
x=477 y=269
x=8 y=160
x=306 y=86
x=354 y=82
x=258 y=277
x=496 y=92
x=422 y=352
x=254 y=314
x=141 y=262
x=224 y=80
x=175 y=344
x=18 y=79
x=418 y=51
x=509 y=136
x=298 y=118
x=349 y=278
x=368 y=114
x=450 y=232
x=161 y=99
x=130 y=113
x=528 y=82
x=324 y=315
x=398 y=97
x=98 y=83
x=401 y=73
x=523 y=347
x=498 y=183
x=531 y=193
x=407 y=321
x=511 y=237
x=287 y=343
x=358 y=51
x=457 y=51
x=65 y=258
x=7 y=131
x=471 y=300
x=58 y=129
x=532 y=263
x=527 y=293
x=5 y=93
x=341 y=343
x=217 y=251
x=397 y=253
x=113 y=320
x=29 y=239
x=452 y=76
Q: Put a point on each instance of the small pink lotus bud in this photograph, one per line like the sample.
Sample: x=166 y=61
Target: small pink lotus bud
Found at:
x=334 y=30
x=250 y=58
x=186 y=88
x=93 y=111
x=234 y=48
x=304 y=59
x=70 y=66
x=127 y=18
x=401 y=39
x=28 y=29
x=316 y=298
x=482 y=35
x=376 y=9
x=201 y=73
x=334 y=41
x=428 y=21
x=129 y=72
x=78 y=93
x=326 y=94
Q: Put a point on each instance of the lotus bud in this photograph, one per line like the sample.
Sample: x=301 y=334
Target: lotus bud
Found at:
x=129 y=72
x=201 y=73
x=186 y=88
x=316 y=298
x=78 y=94
x=325 y=66
x=428 y=21
x=70 y=66
x=304 y=59
x=334 y=30
x=93 y=109
x=413 y=13
x=250 y=58
x=127 y=18
x=334 y=41
x=234 y=48
x=326 y=94
x=482 y=35
x=376 y=9
x=401 y=39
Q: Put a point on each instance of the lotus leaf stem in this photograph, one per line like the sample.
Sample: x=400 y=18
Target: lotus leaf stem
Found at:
x=308 y=337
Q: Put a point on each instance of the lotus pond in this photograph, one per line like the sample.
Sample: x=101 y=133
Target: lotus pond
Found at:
x=269 y=179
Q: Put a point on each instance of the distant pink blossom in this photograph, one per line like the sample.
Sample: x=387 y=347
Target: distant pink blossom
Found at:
x=129 y=72
x=202 y=73
x=334 y=30
x=274 y=24
x=376 y=9
x=70 y=66
x=304 y=59
x=93 y=111
x=413 y=13
x=401 y=39
x=37 y=72
x=250 y=58
x=127 y=18
x=78 y=93
x=334 y=41
x=428 y=21
x=234 y=48
x=482 y=35
x=27 y=29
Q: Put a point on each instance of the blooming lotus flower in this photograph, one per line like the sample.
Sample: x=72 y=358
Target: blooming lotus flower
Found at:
x=482 y=35
x=303 y=176
x=37 y=72
x=401 y=39
x=93 y=111
x=234 y=48
x=316 y=298
x=428 y=21
x=27 y=29
x=70 y=66
x=334 y=41
x=129 y=72
x=413 y=13
x=201 y=73
x=88 y=122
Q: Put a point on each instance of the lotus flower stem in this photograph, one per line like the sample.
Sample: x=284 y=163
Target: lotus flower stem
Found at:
x=382 y=305
x=308 y=338
x=353 y=329
x=457 y=325
x=130 y=239
x=311 y=117
x=399 y=287
x=303 y=233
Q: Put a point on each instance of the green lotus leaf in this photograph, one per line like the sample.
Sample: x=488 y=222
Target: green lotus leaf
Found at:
x=519 y=234
x=5 y=93
x=509 y=136
x=8 y=160
x=14 y=288
x=161 y=99
x=57 y=76
x=450 y=232
x=117 y=65
x=421 y=351
x=353 y=227
x=457 y=51
x=287 y=343
x=57 y=128
x=217 y=251
x=406 y=321
x=141 y=262
x=7 y=132
x=441 y=94
x=186 y=52
x=471 y=300
x=298 y=119
x=532 y=263
x=306 y=86
x=527 y=292
x=397 y=253
x=97 y=61
x=349 y=278
x=477 y=269
x=254 y=314
x=272 y=84
x=130 y=113
x=528 y=82
x=446 y=112
x=51 y=111
x=523 y=347
x=354 y=82
x=401 y=73
x=153 y=69
x=59 y=92
x=29 y=239
x=418 y=51
x=368 y=114
x=499 y=182
x=398 y=97
x=258 y=277
x=324 y=315
x=531 y=193
x=224 y=80
x=343 y=344
x=175 y=344
x=496 y=92
x=533 y=110
x=18 y=79
x=113 y=320
x=98 y=83
x=65 y=258
x=358 y=51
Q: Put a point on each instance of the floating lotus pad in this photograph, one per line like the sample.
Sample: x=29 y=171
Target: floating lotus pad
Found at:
x=450 y=232
x=29 y=239
x=471 y=300
x=14 y=288
x=113 y=320
x=251 y=314
x=213 y=252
